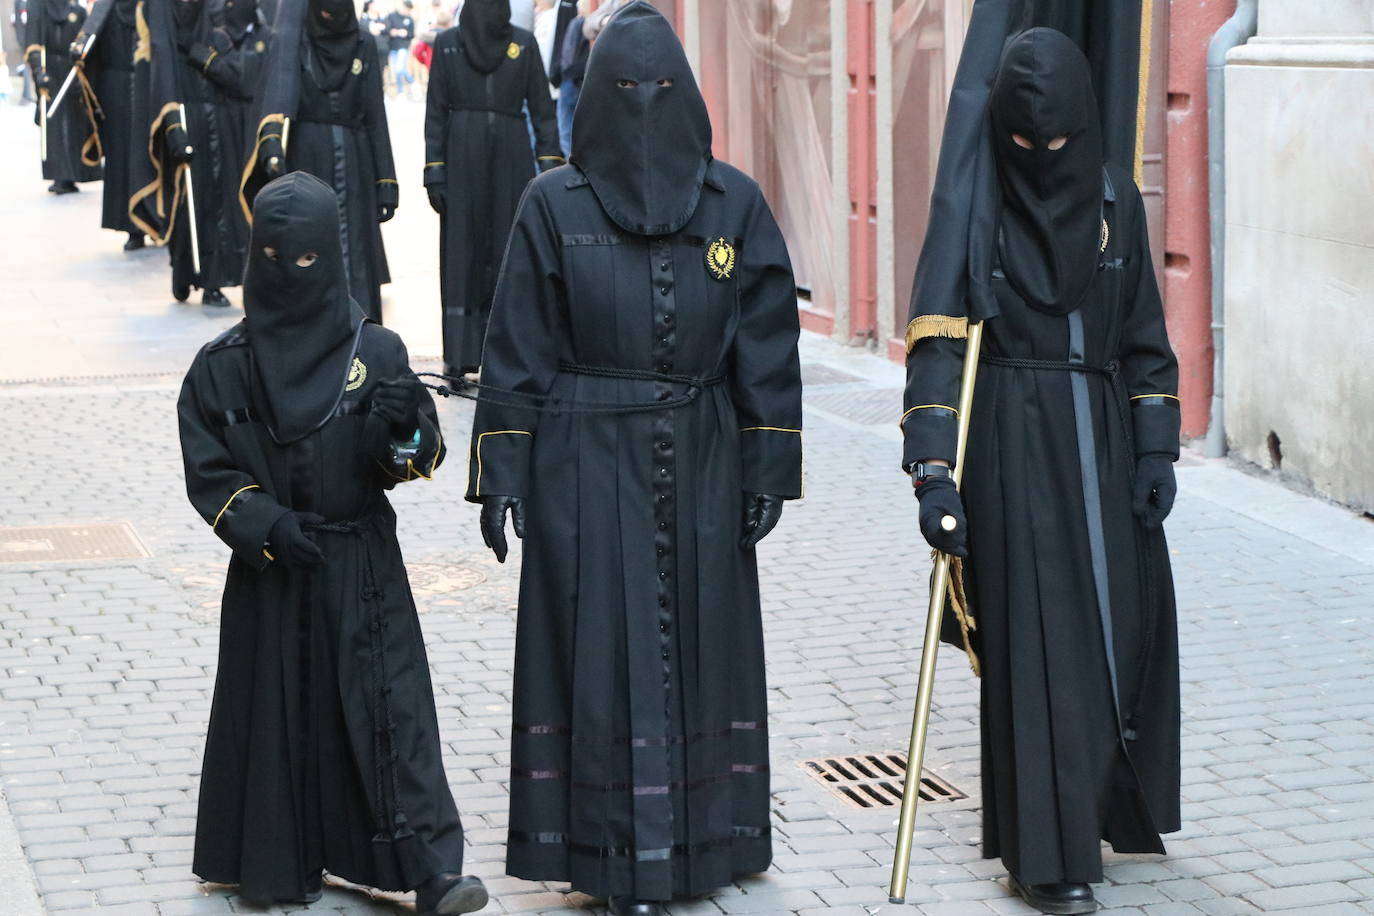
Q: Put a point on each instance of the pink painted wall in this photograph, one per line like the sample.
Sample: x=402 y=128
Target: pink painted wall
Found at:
x=1187 y=261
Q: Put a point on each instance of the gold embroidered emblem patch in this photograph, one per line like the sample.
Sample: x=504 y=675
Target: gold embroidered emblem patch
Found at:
x=720 y=259
x=513 y=51
x=71 y=17
x=357 y=374
x=357 y=65
x=260 y=47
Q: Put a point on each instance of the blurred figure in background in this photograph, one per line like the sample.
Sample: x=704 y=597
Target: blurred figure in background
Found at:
x=322 y=76
x=373 y=22
x=545 y=24
x=478 y=160
x=572 y=66
x=73 y=142
x=400 y=30
x=522 y=14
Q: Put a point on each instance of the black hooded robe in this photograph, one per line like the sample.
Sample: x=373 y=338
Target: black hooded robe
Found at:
x=323 y=749
x=338 y=133
x=73 y=138
x=639 y=750
x=1069 y=395
x=110 y=67
x=477 y=149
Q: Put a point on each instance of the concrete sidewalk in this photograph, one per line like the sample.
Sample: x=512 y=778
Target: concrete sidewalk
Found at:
x=106 y=665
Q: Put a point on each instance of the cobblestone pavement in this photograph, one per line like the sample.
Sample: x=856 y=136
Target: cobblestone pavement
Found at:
x=106 y=667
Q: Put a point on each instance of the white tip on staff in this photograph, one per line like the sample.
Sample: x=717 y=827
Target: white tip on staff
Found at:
x=191 y=202
x=71 y=76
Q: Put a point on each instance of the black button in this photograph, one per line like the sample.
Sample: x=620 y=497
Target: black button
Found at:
x=662 y=601
x=664 y=368
x=663 y=340
x=663 y=628
x=663 y=575
x=667 y=319
x=666 y=654
x=665 y=445
x=662 y=551
x=663 y=290
x=662 y=526
x=663 y=266
x=663 y=499
x=662 y=472
x=664 y=395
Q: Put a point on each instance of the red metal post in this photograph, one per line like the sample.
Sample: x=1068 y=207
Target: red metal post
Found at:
x=863 y=178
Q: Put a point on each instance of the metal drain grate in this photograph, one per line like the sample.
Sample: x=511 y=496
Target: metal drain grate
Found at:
x=105 y=541
x=875 y=780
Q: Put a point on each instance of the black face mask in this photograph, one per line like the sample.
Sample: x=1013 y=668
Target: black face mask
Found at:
x=484 y=32
x=641 y=133
x=302 y=325
x=1051 y=221
x=341 y=19
x=234 y=16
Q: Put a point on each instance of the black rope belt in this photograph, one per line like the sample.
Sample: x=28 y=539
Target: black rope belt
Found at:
x=543 y=403
x=1109 y=371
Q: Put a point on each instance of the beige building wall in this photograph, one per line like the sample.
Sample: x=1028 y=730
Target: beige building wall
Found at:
x=1300 y=245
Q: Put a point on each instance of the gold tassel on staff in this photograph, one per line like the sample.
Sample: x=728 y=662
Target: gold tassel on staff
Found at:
x=939 y=586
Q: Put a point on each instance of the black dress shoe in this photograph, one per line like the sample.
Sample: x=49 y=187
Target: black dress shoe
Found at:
x=447 y=894
x=136 y=241
x=63 y=187
x=181 y=291
x=629 y=906
x=1062 y=899
x=215 y=298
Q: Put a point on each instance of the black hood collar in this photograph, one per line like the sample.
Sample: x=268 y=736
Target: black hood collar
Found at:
x=641 y=134
x=1051 y=217
x=302 y=326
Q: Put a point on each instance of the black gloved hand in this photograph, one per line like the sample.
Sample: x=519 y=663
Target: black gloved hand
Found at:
x=385 y=212
x=290 y=546
x=939 y=498
x=41 y=80
x=77 y=46
x=271 y=159
x=1155 y=489
x=494 y=522
x=200 y=55
x=437 y=201
x=397 y=401
x=761 y=514
x=179 y=148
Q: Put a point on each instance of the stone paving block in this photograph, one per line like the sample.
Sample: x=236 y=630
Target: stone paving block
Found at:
x=1301 y=896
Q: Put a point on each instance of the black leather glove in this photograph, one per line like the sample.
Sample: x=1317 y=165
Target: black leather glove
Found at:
x=290 y=546
x=494 y=522
x=77 y=46
x=179 y=148
x=437 y=201
x=761 y=514
x=41 y=80
x=939 y=498
x=385 y=212
x=397 y=401
x=271 y=159
x=1155 y=489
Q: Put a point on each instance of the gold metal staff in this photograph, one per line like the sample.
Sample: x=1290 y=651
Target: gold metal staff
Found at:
x=939 y=586
x=43 y=106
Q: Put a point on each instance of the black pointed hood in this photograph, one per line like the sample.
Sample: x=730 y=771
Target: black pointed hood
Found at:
x=484 y=32
x=641 y=134
x=1051 y=217
x=302 y=325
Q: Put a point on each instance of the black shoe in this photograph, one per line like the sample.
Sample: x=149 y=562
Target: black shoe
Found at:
x=181 y=291
x=215 y=298
x=447 y=894
x=628 y=906
x=1062 y=899
x=62 y=187
x=136 y=241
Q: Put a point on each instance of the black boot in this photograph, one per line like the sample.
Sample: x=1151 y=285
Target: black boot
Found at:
x=447 y=894
x=628 y=906
x=136 y=241
x=214 y=297
x=1062 y=898
x=62 y=187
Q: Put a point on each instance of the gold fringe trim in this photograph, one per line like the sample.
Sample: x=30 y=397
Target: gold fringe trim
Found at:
x=1147 y=27
x=252 y=164
x=924 y=326
x=143 y=48
x=155 y=187
x=958 y=600
x=91 y=151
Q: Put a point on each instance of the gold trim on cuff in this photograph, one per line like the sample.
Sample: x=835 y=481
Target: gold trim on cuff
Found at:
x=225 y=507
x=923 y=326
x=477 y=490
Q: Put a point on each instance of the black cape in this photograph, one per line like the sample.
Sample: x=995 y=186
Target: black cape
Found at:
x=109 y=66
x=1072 y=597
x=166 y=82
x=323 y=748
x=477 y=149
x=74 y=151
x=333 y=98
x=639 y=758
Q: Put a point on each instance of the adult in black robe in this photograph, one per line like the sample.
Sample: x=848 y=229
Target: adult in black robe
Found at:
x=109 y=67
x=73 y=139
x=1067 y=479
x=322 y=77
x=185 y=133
x=477 y=159
x=646 y=273
x=323 y=749
x=232 y=59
